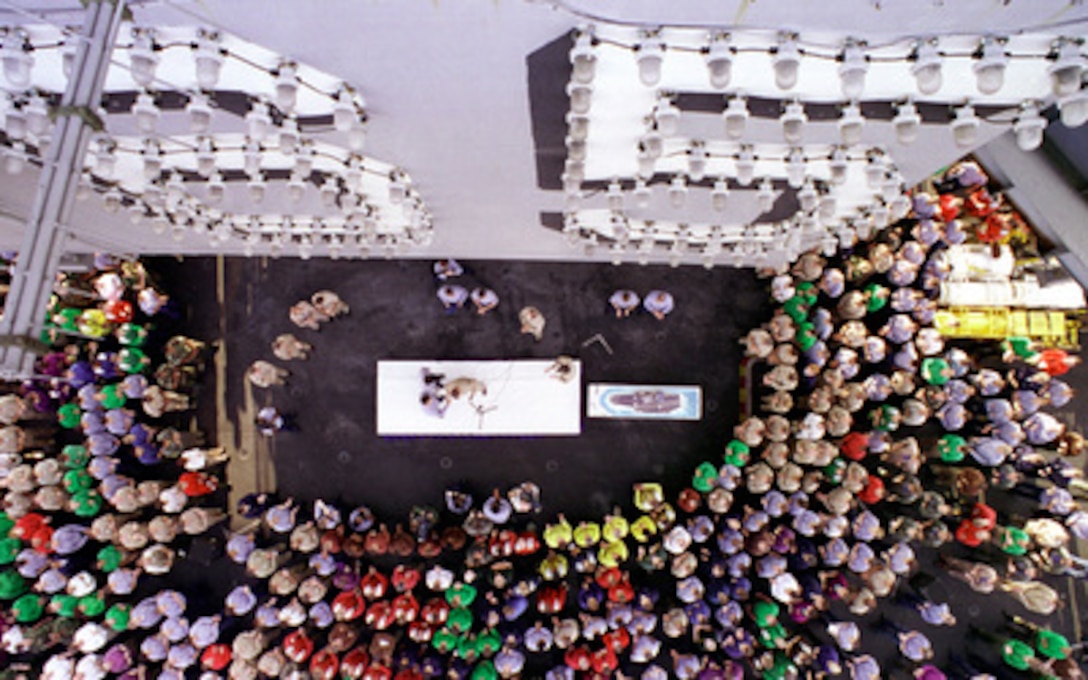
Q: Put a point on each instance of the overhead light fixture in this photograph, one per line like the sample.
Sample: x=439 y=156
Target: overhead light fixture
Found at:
x=719 y=61
x=104 y=161
x=16 y=55
x=787 y=62
x=793 y=122
x=653 y=142
x=142 y=57
x=1029 y=127
x=965 y=126
x=666 y=115
x=615 y=195
x=576 y=148
x=646 y=162
x=175 y=190
x=795 y=168
x=205 y=157
x=1068 y=66
x=304 y=158
x=828 y=206
x=37 y=115
x=990 y=66
x=649 y=54
x=678 y=191
x=735 y=117
x=216 y=188
x=583 y=57
x=146 y=112
x=697 y=160
x=398 y=187
x=881 y=215
x=200 y=113
x=927 y=66
x=745 y=166
x=851 y=124
x=330 y=191
x=617 y=253
x=251 y=157
x=581 y=97
x=287 y=86
x=719 y=195
x=839 y=166
x=209 y=59
x=641 y=194
x=258 y=121
x=1073 y=110
x=765 y=195
x=853 y=69
x=907 y=123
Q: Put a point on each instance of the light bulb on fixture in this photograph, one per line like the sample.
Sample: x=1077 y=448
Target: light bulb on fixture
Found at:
x=175 y=190
x=990 y=67
x=642 y=194
x=574 y=170
x=1067 y=69
x=852 y=71
x=200 y=113
x=745 y=166
x=795 y=168
x=353 y=176
x=256 y=188
x=1073 y=109
x=152 y=159
x=15 y=124
x=258 y=121
x=617 y=253
x=343 y=110
x=289 y=137
x=216 y=188
x=927 y=66
x=37 y=115
x=793 y=122
x=678 y=191
x=828 y=206
x=807 y=196
x=15 y=158
x=653 y=143
x=649 y=54
x=787 y=62
x=104 y=161
x=719 y=195
x=330 y=191
x=765 y=195
x=251 y=157
x=719 y=61
x=304 y=159
x=666 y=115
x=614 y=194
x=839 y=166
x=583 y=57
x=111 y=200
x=907 y=123
x=142 y=57
x=851 y=124
x=881 y=215
x=287 y=86
x=576 y=148
x=357 y=136
x=146 y=113
x=735 y=117
x=206 y=157
x=18 y=60
x=697 y=161
x=1029 y=127
x=68 y=47
x=581 y=97
x=577 y=126
x=875 y=171
x=209 y=59
x=965 y=126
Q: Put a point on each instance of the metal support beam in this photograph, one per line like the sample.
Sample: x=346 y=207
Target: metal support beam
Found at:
x=43 y=241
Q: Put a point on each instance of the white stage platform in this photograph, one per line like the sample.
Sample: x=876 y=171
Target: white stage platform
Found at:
x=521 y=399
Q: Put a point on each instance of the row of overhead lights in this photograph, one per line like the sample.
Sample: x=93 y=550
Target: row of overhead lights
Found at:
x=372 y=203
